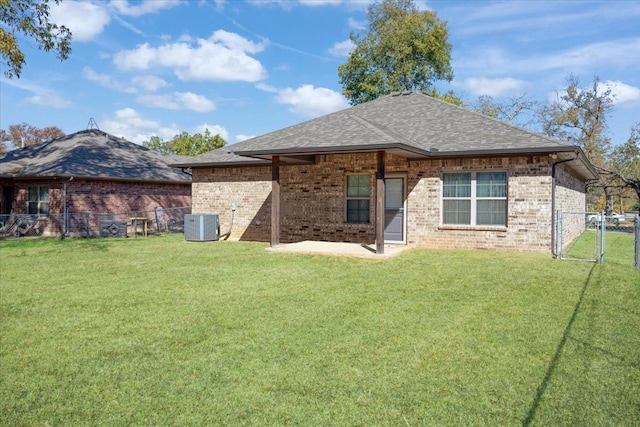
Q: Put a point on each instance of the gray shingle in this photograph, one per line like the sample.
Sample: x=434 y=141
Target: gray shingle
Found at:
x=91 y=154
x=415 y=124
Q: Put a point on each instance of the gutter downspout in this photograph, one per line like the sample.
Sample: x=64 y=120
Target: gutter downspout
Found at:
x=553 y=203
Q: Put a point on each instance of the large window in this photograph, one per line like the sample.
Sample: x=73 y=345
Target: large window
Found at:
x=38 y=200
x=474 y=198
x=358 y=196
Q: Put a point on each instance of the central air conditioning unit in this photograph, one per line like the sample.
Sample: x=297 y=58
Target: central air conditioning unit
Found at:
x=201 y=227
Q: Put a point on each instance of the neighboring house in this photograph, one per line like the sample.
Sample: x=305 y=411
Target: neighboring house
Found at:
x=439 y=175
x=88 y=171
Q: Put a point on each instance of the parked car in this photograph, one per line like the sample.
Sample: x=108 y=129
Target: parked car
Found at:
x=614 y=218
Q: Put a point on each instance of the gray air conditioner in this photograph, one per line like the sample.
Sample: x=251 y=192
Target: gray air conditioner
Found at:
x=201 y=227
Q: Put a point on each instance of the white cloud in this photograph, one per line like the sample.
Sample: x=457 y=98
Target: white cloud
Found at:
x=149 y=82
x=131 y=125
x=266 y=88
x=42 y=95
x=213 y=130
x=342 y=48
x=49 y=100
x=142 y=8
x=311 y=101
x=241 y=137
x=492 y=87
x=130 y=26
x=623 y=93
x=221 y=57
x=85 y=20
x=178 y=101
x=314 y=3
x=357 y=25
x=584 y=59
x=106 y=80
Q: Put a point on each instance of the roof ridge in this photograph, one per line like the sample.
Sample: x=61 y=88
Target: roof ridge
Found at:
x=388 y=134
x=501 y=122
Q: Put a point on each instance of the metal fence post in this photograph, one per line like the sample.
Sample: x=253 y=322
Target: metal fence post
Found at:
x=636 y=229
x=603 y=231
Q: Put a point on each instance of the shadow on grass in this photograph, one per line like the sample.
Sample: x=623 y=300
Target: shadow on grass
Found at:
x=556 y=357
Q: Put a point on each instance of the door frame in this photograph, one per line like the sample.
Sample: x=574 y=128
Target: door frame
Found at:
x=403 y=176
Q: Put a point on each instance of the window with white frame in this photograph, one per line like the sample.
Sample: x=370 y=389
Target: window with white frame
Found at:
x=38 y=200
x=474 y=198
x=358 y=197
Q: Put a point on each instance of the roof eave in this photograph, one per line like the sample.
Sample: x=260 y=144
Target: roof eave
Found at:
x=299 y=152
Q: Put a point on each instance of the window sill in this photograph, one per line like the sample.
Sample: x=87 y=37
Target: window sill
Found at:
x=501 y=228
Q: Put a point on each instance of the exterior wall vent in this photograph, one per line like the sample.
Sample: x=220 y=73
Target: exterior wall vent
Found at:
x=201 y=227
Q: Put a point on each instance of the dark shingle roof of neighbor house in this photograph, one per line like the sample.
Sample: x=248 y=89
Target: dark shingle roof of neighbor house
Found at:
x=91 y=154
x=410 y=124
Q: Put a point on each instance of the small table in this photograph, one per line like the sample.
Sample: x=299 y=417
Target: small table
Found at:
x=134 y=224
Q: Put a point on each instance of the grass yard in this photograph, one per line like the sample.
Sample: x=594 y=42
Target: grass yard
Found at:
x=161 y=332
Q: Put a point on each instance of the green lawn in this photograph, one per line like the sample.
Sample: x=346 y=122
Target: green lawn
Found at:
x=161 y=332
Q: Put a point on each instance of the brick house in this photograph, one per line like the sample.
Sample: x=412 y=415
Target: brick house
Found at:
x=88 y=171
x=440 y=175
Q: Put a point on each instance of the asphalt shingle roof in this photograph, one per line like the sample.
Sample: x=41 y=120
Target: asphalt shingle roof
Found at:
x=93 y=154
x=410 y=124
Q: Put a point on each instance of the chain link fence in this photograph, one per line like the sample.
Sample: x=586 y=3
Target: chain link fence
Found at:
x=636 y=231
x=580 y=236
x=95 y=224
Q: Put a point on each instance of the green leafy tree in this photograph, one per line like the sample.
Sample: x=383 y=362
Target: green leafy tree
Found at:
x=449 y=97
x=404 y=50
x=185 y=144
x=29 y=18
x=23 y=135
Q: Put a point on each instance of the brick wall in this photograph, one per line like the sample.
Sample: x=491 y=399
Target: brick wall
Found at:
x=313 y=201
x=570 y=197
x=99 y=197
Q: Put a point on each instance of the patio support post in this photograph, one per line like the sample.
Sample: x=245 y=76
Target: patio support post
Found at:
x=275 y=201
x=380 y=204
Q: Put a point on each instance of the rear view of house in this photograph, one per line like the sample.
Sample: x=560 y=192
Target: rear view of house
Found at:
x=405 y=169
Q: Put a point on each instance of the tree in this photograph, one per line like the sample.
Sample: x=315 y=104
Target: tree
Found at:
x=449 y=97
x=404 y=50
x=624 y=163
x=518 y=110
x=185 y=144
x=29 y=18
x=23 y=135
x=579 y=115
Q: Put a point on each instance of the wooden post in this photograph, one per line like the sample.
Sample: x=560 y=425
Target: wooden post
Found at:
x=380 y=204
x=275 y=201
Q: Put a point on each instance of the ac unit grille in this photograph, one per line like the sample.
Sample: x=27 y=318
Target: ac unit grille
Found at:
x=201 y=227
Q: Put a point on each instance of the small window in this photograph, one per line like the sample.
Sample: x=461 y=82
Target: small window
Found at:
x=358 y=196
x=38 y=200
x=474 y=198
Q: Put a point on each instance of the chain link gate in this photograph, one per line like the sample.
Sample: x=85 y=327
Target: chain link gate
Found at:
x=580 y=236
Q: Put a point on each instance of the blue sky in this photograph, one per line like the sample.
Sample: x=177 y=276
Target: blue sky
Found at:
x=245 y=68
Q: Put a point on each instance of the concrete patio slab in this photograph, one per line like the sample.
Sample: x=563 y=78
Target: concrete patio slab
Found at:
x=340 y=249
